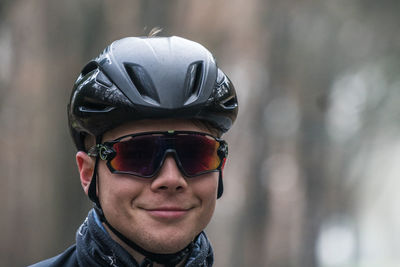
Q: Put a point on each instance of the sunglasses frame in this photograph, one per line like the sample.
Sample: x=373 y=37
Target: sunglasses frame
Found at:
x=105 y=151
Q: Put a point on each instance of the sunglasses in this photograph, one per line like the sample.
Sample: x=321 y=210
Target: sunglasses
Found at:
x=143 y=154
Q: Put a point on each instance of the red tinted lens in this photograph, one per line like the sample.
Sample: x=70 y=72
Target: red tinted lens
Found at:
x=140 y=155
x=197 y=153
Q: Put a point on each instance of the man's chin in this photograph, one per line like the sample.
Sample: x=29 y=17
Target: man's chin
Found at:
x=167 y=246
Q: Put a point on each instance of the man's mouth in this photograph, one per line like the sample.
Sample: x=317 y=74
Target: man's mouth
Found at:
x=168 y=213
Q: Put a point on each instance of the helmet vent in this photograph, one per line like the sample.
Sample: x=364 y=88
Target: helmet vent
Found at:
x=193 y=81
x=93 y=106
x=88 y=68
x=143 y=83
x=230 y=103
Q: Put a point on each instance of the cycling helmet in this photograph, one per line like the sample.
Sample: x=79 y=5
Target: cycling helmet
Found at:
x=150 y=78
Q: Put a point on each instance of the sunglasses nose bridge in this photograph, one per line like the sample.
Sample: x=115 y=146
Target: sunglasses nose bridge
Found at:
x=172 y=152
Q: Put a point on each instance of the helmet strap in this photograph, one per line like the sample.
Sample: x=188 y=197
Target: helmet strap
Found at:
x=220 y=181
x=92 y=192
x=220 y=185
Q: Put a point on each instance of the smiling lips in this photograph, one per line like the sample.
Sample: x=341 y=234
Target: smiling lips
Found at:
x=168 y=213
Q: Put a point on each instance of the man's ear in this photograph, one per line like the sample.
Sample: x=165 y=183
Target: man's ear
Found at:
x=85 y=167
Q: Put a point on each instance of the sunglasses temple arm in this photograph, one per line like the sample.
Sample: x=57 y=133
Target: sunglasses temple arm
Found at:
x=93 y=151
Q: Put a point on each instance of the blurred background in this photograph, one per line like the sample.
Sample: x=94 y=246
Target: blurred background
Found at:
x=313 y=171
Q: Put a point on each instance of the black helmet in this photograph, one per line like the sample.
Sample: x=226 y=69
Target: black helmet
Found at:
x=150 y=78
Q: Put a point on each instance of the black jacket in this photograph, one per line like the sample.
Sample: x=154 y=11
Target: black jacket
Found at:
x=95 y=247
x=67 y=258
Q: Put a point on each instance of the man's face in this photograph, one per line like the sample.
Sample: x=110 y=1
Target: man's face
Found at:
x=165 y=213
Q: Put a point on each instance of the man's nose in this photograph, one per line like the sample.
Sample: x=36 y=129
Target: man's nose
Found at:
x=169 y=178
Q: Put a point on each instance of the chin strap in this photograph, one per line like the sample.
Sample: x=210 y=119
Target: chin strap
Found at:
x=146 y=263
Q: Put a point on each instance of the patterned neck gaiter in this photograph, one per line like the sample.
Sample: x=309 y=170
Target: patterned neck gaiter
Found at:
x=95 y=247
